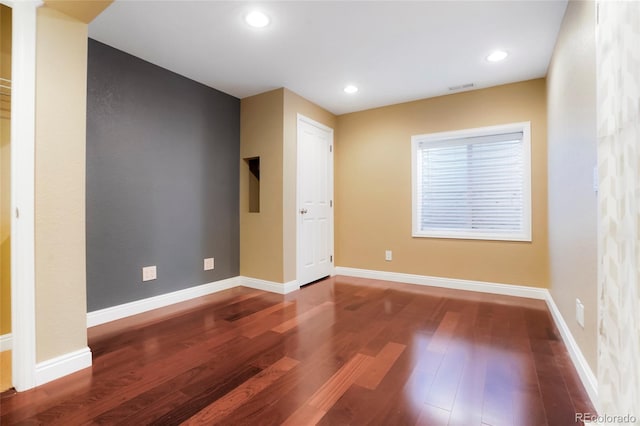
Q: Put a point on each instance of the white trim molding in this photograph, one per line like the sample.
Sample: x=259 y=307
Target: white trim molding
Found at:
x=587 y=377
x=139 y=306
x=23 y=119
x=520 y=132
x=6 y=342
x=269 y=286
x=62 y=365
x=452 y=283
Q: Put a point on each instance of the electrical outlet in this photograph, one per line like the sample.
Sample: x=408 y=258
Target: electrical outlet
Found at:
x=149 y=273
x=209 y=264
x=580 y=313
x=388 y=255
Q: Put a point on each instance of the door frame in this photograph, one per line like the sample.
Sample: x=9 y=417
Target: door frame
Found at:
x=23 y=106
x=303 y=119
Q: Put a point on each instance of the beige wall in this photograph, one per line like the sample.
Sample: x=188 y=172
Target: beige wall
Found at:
x=268 y=129
x=571 y=94
x=5 y=173
x=373 y=188
x=82 y=10
x=61 y=75
x=261 y=135
x=294 y=105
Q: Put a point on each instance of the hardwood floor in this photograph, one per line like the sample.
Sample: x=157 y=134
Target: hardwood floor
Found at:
x=341 y=351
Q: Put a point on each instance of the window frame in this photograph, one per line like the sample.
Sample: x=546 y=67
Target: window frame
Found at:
x=442 y=137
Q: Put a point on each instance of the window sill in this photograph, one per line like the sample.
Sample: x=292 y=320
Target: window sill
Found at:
x=473 y=236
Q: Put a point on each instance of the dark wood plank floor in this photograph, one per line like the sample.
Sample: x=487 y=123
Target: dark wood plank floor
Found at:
x=341 y=351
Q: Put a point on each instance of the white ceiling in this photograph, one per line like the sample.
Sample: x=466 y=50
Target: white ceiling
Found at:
x=394 y=51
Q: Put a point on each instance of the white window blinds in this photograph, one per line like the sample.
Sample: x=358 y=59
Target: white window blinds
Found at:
x=472 y=186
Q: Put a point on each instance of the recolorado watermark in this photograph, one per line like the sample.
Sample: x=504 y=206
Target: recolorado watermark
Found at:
x=605 y=418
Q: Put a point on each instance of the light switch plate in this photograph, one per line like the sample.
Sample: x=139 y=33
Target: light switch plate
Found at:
x=580 y=313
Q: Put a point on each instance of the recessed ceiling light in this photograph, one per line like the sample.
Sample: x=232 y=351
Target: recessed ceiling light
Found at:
x=257 y=19
x=350 y=89
x=497 y=55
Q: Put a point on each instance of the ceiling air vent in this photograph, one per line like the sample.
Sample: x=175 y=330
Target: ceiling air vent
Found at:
x=461 y=87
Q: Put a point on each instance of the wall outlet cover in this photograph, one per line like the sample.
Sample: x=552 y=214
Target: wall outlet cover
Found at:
x=149 y=273
x=209 y=264
x=388 y=255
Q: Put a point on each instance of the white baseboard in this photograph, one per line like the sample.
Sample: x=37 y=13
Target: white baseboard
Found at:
x=132 y=308
x=62 y=365
x=588 y=378
x=452 y=283
x=270 y=286
x=585 y=373
x=6 y=342
x=139 y=306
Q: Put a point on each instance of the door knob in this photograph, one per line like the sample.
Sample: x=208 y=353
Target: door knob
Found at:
x=303 y=211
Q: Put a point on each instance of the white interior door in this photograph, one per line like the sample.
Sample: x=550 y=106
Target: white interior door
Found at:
x=315 y=200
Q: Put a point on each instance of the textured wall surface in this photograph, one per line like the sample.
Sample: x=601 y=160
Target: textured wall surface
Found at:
x=618 y=75
x=572 y=152
x=61 y=78
x=162 y=179
x=261 y=233
x=269 y=131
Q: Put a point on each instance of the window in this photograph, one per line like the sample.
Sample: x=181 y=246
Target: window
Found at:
x=473 y=184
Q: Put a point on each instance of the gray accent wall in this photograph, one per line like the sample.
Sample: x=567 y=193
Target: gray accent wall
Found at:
x=162 y=179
